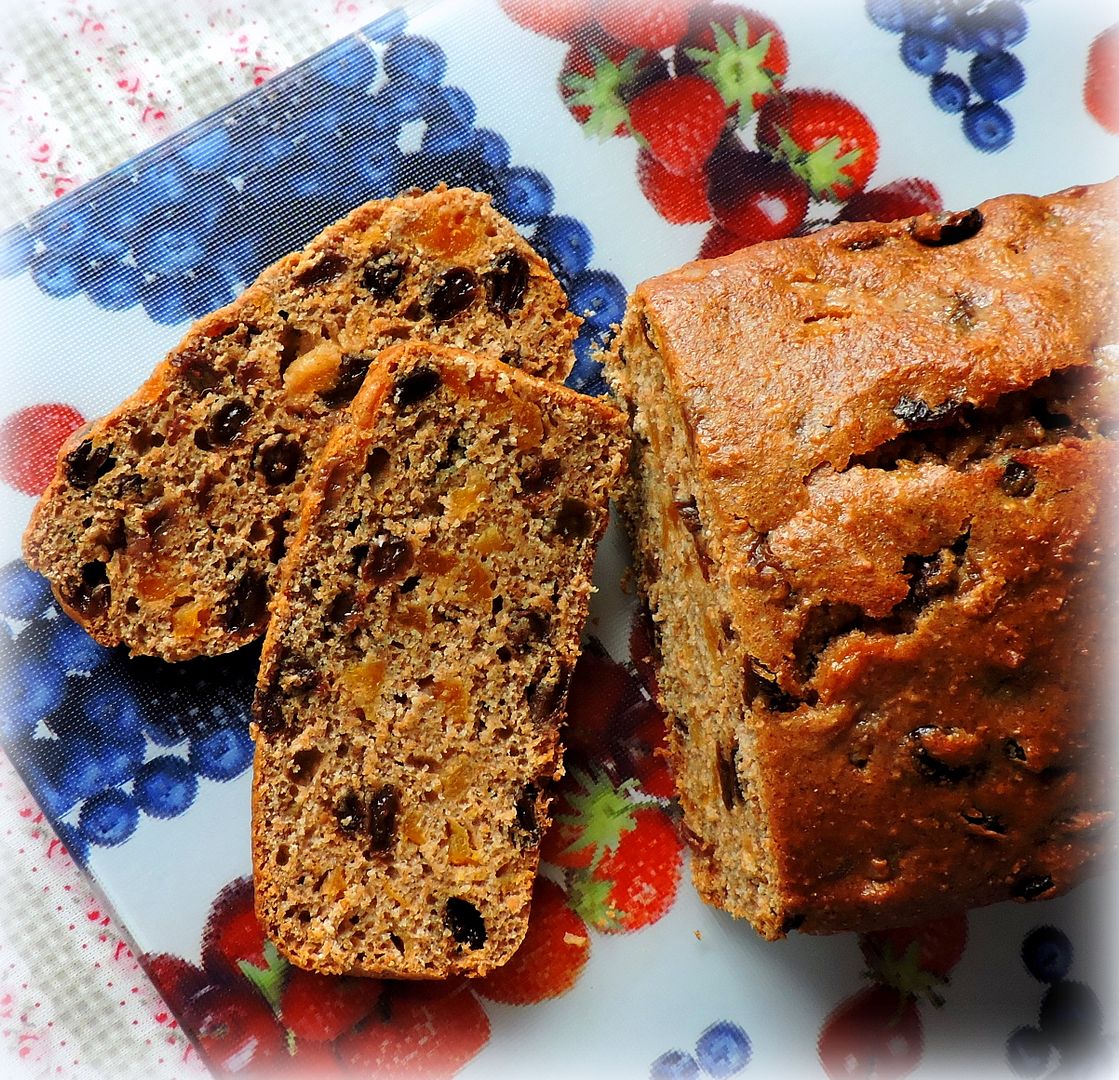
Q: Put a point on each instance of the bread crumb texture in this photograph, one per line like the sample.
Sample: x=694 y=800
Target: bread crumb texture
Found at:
x=165 y=522
x=415 y=668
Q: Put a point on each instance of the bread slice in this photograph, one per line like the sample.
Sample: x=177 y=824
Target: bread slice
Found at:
x=415 y=668
x=872 y=473
x=166 y=519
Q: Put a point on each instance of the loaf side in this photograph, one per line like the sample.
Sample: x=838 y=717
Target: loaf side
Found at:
x=872 y=474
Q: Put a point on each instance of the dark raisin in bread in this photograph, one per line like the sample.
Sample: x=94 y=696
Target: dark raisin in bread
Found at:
x=166 y=520
x=415 y=667
x=870 y=475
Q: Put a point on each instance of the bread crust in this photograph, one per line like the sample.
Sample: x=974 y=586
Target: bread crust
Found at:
x=897 y=469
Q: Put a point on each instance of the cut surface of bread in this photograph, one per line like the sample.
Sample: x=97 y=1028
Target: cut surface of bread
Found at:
x=415 y=667
x=870 y=488
x=166 y=519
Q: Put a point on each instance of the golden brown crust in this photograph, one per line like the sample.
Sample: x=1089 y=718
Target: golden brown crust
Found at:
x=412 y=677
x=899 y=455
x=165 y=521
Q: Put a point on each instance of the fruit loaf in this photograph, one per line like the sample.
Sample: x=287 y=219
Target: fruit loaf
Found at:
x=870 y=477
x=415 y=667
x=165 y=521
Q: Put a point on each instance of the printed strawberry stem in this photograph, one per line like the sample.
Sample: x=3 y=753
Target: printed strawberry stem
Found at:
x=904 y=974
x=821 y=169
x=737 y=68
x=601 y=813
x=268 y=980
x=589 y=898
x=601 y=92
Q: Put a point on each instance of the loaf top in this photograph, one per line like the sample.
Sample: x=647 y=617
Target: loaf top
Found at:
x=802 y=354
x=903 y=435
x=798 y=363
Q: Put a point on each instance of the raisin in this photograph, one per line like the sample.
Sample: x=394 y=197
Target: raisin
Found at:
x=348 y=811
x=574 y=521
x=913 y=412
x=297 y=676
x=1018 y=480
x=304 y=763
x=86 y=464
x=540 y=476
x=451 y=294
x=289 y=344
x=547 y=693
x=792 y=922
x=383 y=274
x=228 y=422
x=336 y=486
x=248 y=374
x=930 y=766
x=950 y=227
x=278 y=459
x=93 y=595
x=195 y=370
x=342 y=606
x=961 y=312
x=267 y=712
x=525 y=809
x=330 y=266
x=415 y=387
x=248 y=604
x=465 y=922
x=380 y=817
x=689 y=515
x=388 y=558
x=376 y=462
x=930 y=577
x=351 y=374
x=527 y=628
x=409 y=584
x=988 y=823
x=1031 y=886
x=863 y=243
x=506 y=282
x=730 y=787
x=158 y=522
